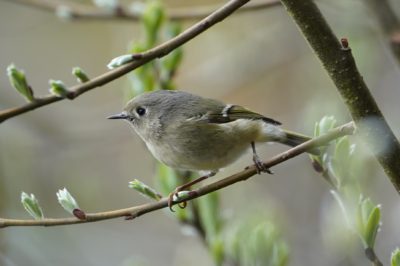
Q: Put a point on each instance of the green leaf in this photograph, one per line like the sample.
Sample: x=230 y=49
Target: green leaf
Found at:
x=67 y=201
x=368 y=221
x=327 y=123
x=256 y=241
x=171 y=61
x=144 y=190
x=342 y=151
x=31 y=205
x=217 y=250
x=209 y=213
x=280 y=254
x=80 y=75
x=166 y=179
x=316 y=130
x=18 y=81
x=372 y=226
x=395 y=259
x=153 y=17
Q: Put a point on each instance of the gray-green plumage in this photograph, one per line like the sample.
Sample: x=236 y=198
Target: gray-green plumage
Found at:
x=190 y=132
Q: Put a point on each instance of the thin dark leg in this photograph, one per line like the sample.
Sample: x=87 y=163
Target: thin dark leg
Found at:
x=259 y=164
x=185 y=187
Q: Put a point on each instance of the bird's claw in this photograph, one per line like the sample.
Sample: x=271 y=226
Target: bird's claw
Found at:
x=175 y=195
x=260 y=166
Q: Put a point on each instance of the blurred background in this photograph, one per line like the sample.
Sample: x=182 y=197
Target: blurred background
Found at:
x=257 y=59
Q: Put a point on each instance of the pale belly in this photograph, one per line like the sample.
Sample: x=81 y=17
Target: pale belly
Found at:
x=210 y=146
x=197 y=160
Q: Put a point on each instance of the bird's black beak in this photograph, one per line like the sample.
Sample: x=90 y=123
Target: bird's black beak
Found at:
x=122 y=115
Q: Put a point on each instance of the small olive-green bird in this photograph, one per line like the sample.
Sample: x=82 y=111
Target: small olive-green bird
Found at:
x=189 y=132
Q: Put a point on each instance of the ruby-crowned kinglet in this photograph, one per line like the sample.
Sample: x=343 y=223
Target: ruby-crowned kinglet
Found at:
x=189 y=132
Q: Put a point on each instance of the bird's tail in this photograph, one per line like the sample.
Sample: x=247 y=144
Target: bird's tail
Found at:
x=293 y=139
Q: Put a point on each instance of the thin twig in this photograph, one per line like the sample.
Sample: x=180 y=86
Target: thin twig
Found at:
x=137 y=211
x=157 y=52
x=338 y=61
x=79 y=11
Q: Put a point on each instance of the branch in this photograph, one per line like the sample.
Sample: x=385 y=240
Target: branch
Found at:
x=86 y=12
x=134 y=212
x=338 y=61
x=389 y=22
x=156 y=52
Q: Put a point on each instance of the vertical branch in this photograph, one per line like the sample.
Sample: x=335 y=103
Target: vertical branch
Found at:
x=338 y=61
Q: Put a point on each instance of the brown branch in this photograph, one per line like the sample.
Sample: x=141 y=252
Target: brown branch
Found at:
x=389 y=22
x=87 y=12
x=157 y=52
x=137 y=211
x=338 y=61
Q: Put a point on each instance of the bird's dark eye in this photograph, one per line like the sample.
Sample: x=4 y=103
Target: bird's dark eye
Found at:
x=140 y=111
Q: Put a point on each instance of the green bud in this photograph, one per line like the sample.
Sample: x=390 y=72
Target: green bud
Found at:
x=153 y=17
x=58 y=88
x=80 y=74
x=18 y=81
x=31 y=205
x=145 y=190
x=327 y=123
x=119 y=61
x=395 y=259
x=67 y=201
x=368 y=221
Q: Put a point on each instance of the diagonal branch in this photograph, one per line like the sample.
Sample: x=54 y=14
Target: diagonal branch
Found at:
x=79 y=11
x=156 y=52
x=134 y=212
x=339 y=62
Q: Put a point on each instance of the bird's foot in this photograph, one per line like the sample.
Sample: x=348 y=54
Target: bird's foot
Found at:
x=179 y=194
x=260 y=166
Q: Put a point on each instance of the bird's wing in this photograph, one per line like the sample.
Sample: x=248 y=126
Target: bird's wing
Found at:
x=233 y=112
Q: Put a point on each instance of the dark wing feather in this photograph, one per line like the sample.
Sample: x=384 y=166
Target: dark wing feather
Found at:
x=235 y=112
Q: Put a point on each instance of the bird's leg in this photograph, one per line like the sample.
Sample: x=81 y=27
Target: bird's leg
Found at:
x=259 y=164
x=183 y=187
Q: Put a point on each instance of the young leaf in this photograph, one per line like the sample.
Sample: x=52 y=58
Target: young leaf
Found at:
x=31 y=205
x=144 y=190
x=153 y=17
x=395 y=259
x=67 y=201
x=18 y=81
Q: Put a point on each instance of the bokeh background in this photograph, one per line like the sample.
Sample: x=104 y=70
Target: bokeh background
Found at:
x=257 y=59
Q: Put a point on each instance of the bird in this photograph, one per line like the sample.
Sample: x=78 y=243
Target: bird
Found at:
x=189 y=132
